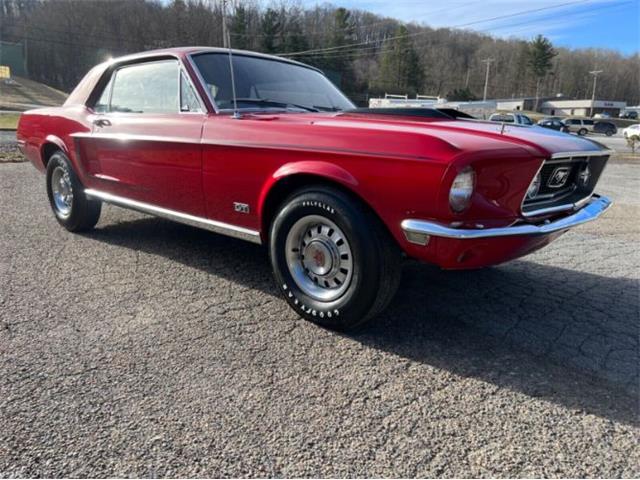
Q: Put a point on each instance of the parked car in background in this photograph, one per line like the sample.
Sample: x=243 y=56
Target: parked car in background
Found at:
x=579 y=125
x=631 y=114
x=515 y=118
x=281 y=157
x=602 y=115
x=607 y=128
x=553 y=124
x=631 y=130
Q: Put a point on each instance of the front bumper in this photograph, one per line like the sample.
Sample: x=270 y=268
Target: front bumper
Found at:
x=420 y=231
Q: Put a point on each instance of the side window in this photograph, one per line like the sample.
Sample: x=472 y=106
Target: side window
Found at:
x=102 y=105
x=147 y=88
x=188 y=100
x=588 y=122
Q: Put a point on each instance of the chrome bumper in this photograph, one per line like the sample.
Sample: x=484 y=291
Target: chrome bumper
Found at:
x=419 y=231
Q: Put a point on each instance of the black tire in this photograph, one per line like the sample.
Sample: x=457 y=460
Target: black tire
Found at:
x=82 y=214
x=582 y=132
x=375 y=258
x=608 y=133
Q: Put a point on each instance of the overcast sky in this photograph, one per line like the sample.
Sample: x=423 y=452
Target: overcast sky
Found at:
x=613 y=24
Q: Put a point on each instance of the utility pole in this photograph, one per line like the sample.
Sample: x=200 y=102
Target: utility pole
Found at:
x=593 y=93
x=486 y=78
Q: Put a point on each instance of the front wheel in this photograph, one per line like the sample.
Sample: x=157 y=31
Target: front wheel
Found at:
x=333 y=260
x=73 y=210
x=608 y=133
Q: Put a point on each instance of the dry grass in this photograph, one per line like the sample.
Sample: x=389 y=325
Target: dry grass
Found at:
x=9 y=120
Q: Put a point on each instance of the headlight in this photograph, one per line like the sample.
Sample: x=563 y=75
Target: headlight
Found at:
x=534 y=187
x=462 y=189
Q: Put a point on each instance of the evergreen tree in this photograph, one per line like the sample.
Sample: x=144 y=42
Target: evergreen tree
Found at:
x=239 y=30
x=539 y=59
x=270 y=29
x=295 y=40
x=400 y=67
x=338 y=36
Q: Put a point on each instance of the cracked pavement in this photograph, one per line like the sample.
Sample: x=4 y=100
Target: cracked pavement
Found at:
x=148 y=348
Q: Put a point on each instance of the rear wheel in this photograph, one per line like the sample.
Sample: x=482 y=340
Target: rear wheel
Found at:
x=333 y=260
x=582 y=132
x=608 y=133
x=73 y=210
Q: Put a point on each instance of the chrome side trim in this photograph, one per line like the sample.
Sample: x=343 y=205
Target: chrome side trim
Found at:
x=211 y=225
x=593 y=210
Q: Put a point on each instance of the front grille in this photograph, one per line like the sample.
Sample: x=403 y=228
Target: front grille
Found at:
x=564 y=182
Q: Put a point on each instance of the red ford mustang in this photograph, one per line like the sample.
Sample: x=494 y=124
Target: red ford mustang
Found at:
x=338 y=194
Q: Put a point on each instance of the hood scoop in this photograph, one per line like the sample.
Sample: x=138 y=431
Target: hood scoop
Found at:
x=423 y=112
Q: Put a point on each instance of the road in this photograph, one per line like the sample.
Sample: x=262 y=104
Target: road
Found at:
x=616 y=142
x=7 y=137
x=147 y=348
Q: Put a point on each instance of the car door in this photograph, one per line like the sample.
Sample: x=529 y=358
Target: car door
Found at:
x=146 y=139
x=589 y=125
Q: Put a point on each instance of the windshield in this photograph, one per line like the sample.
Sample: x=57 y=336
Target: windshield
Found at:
x=526 y=120
x=262 y=83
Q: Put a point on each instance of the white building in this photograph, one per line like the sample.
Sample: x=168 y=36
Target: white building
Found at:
x=403 y=101
x=582 y=108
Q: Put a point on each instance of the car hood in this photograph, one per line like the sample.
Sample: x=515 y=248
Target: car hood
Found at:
x=434 y=139
x=465 y=133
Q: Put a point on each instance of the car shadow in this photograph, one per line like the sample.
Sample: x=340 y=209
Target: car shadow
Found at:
x=565 y=336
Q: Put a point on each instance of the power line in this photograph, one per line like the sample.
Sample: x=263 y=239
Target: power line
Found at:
x=475 y=22
x=386 y=21
x=364 y=50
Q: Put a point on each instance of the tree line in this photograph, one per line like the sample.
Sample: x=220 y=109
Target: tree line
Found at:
x=368 y=55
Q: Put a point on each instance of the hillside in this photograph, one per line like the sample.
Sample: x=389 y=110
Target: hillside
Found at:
x=22 y=94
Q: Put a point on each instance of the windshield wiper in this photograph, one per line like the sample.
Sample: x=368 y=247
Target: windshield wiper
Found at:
x=327 y=109
x=273 y=103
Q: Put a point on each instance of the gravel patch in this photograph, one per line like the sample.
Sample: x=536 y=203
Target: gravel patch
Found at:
x=147 y=348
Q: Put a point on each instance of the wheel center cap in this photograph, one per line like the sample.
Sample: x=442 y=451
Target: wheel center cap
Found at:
x=318 y=258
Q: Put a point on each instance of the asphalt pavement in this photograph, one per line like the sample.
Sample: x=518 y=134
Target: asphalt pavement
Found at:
x=148 y=348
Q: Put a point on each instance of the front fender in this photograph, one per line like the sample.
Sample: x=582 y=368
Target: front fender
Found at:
x=321 y=169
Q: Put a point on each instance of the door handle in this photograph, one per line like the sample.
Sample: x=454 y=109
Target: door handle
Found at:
x=102 y=122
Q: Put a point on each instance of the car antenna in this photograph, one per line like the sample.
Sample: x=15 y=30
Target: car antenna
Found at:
x=226 y=38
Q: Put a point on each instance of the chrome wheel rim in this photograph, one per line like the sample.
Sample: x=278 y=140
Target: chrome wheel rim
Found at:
x=62 y=191
x=319 y=258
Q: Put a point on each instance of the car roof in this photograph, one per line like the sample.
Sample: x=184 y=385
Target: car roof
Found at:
x=182 y=52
